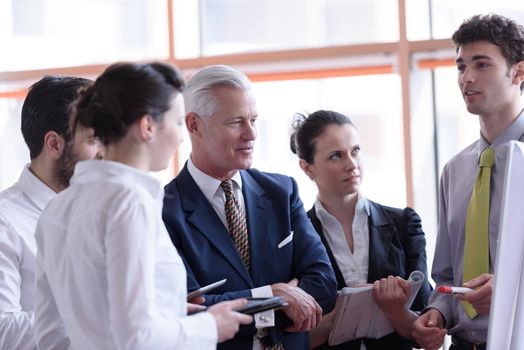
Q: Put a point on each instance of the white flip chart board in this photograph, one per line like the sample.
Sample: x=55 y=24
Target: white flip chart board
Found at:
x=506 y=323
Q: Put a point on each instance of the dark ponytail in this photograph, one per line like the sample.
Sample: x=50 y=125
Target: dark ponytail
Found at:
x=124 y=93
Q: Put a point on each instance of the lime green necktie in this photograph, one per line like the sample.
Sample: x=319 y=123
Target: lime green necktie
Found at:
x=476 y=245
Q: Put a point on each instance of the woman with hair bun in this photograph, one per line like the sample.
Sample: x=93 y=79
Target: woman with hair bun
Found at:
x=108 y=276
x=366 y=241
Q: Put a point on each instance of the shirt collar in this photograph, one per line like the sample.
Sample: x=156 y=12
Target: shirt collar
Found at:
x=35 y=189
x=208 y=184
x=362 y=207
x=362 y=204
x=91 y=170
x=513 y=132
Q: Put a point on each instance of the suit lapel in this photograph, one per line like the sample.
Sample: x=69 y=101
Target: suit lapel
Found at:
x=203 y=217
x=380 y=235
x=257 y=214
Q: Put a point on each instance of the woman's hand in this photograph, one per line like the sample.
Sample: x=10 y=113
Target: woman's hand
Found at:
x=391 y=295
x=320 y=334
x=228 y=321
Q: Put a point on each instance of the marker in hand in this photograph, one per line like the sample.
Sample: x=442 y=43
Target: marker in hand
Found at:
x=453 y=290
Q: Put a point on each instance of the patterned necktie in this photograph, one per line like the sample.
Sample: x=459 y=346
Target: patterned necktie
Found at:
x=237 y=226
x=236 y=222
x=476 y=245
x=278 y=346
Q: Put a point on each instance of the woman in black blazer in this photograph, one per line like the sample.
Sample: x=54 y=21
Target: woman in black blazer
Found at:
x=366 y=242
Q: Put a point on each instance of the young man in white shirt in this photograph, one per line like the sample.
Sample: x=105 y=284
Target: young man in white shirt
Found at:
x=53 y=152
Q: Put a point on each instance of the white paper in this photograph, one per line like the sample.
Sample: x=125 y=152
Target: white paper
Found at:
x=358 y=316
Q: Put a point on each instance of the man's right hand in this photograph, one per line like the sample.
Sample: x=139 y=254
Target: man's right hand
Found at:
x=480 y=298
x=227 y=319
x=303 y=310
x=428 y=330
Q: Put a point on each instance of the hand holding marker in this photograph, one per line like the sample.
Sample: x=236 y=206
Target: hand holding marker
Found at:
x=454 y=290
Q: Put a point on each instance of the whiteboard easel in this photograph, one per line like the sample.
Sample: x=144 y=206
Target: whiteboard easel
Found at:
x=506 y=322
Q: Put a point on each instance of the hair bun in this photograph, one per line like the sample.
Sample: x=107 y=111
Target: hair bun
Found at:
x=296 y=124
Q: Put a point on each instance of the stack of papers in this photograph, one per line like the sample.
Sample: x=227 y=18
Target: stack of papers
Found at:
x=358 y=316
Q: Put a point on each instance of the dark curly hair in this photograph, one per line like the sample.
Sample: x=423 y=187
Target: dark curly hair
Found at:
x=498 y=30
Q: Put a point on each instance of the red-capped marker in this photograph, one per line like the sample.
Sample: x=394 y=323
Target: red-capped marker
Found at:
x=453 y=290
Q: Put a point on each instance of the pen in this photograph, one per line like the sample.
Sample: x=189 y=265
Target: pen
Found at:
x=454 y=290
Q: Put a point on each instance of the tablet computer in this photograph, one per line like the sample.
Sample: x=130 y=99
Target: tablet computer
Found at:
x=256 y=305
x=201 y=291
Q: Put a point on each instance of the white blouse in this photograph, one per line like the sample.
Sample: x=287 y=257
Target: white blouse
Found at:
x=108 y=276
x=353 y=265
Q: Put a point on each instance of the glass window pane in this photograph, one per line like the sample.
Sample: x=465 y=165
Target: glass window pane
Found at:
x=449 y=14
x=80 y=32
x=418 y=20
x=379 y=125
x=457 y=128
x=13 y=153
x=253 y=25
x=425 y=177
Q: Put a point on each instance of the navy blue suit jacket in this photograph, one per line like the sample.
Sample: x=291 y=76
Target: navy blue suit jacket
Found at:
x=273 y=211
x=397 y=246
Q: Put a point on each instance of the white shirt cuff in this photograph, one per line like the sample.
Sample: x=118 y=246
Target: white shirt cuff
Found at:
x=267 y=318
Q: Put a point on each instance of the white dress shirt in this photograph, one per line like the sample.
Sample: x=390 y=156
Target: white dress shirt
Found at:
x=211 y=189
x=20 y=208
x=353 y=265
x=107 y=273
